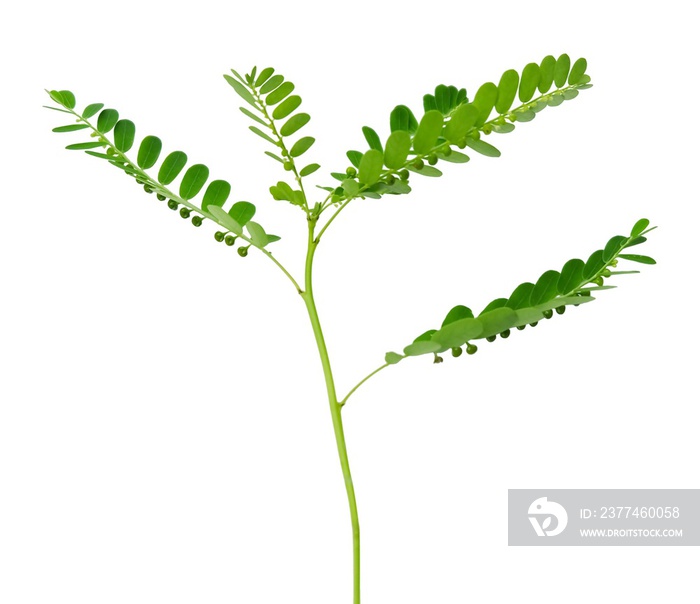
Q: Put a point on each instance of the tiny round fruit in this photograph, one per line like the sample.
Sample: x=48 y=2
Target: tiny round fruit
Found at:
x=491 y=339
x=548 y=314
x=160 y=197
x=243 y=251
x=534 y=324
x=457 y=351
x=197 y=221
x=185 y=212
x=505 y=334
x=447 y=150
x=561 y=310
x=471 y=349
x=172 y=204
x=432 y=159
x=288 y=166
x=404 y=174
x=390 y=179
x=230 y=240
x=351 y=172
x=219 y=236
x=521 y=327
x=418 y=164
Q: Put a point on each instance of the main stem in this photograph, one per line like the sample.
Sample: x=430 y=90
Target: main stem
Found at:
x=308 y=296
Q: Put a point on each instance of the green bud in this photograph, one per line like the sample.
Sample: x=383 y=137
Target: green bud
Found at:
x=172 y=204
x=219 y=236
x=160 y=197
x=197 y=221
x=511 y=117
x=438 y=359
x=462 y=143
x=111 y=151
x=585 y=293
x=505 y=334
x=500 y=120
x=561 y=310
x=432 y=159
x=447 y=150
x=471 y=349
x=243 y=251
x=288 y=166
x=534 y=324
x=185 y=212
x=598 y=281
x=351 y=172
x=475 y=134
x=491 y=339
x=418 y=164
x=548 y=314
x=614 y=263
x=521 y=327
x=230 y=240
x=457 y=351
x=390 y=179
x=606 y=273
x=147 y=189
x=404 y=174
x=487 y=128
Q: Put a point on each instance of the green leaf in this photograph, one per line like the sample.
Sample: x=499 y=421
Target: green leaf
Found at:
x=91 y=110
x=428 y=131
x=254 y=117
x=63 y=97
x=483 y=147
x=149 y=152
x=264 y=76
x=370 y=167
x=402 y=118
x=497 y=320
x=507 y=89
x=310 y=169
x=124 y=134
x=503 y=128
x=639 y=227
x=107 y=119
x=638 y=258
x=497 y=303
x=57 y=109
x=429 y=103
x=172 y=166
x=82 y=146
x=571 y=276
x=294 y=123
x=397 y=147
x=426 y=171
x=546 y=74
x=286 y=107
x=257 y=234
x=279 y=93
x=351 y=187
x=391 y=358
x=524 y=116
x=545 y=289
x=301 y=146
x=462 y=120
x=455 y=157
x=520 y=298
x=529 y=81
x=561 y=70
x=110 y=158
x=484 y=100
x=70 y=128
x=354 y=157
x=271 y=84
x=594 y=264
x=612 y=247
x=262 y=135
x=241 y=90
x=421 y=347
x=556 y=100
x=216 y=194
x=372 y=138
x=458 y=332
x=577 y=71
x=572 y=93
x=242 y=212
x=457 y=313
x=274 y=156
x=193 y=181
x=225 y=220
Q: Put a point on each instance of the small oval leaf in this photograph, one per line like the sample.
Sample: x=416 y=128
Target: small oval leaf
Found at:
x=279 y=93
x=507 y=89
x=402 y=118
x=484 y=100
x=310 y=169
x=286 y=107
x=462 y=120
x=529 y=81
x=193 y=181
x=639 y=227
x=571 y=277
x=124 y=134
x=241 y=90
x=638 y=258
x=107 y=119
x=561 y=70
x=301 y=146
x=70 y=128
x=428 y=131
x=546 y=74
x=612 y=247
x=483 y=147
x=149 y=152
x=294 y=123
x=545 y=289
x=397 y=147
x=271 y=84
x=172 y=166
x=92 y=109
x=577 y=71
x=242 y=212
x=216 y=194
x=370 y=167
x=372 y=138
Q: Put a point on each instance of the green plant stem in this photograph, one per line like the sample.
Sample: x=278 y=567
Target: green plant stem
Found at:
x=362 y=381
x=308 y=297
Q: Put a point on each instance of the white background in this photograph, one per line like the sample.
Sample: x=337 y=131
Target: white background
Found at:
x=164 y=436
